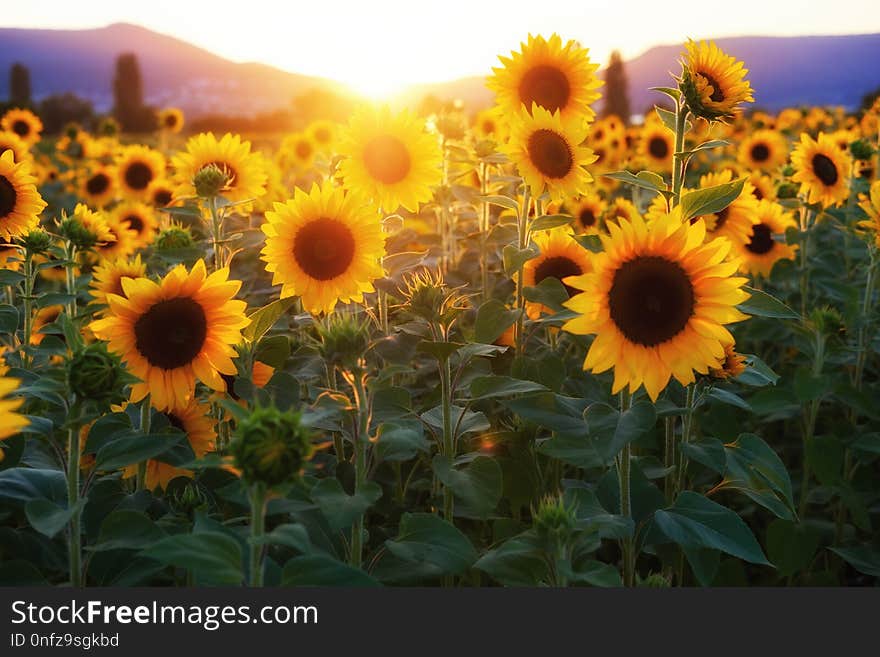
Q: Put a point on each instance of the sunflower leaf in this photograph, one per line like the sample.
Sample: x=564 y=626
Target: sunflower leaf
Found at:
x=761 y=304
x=264 y=318
x=549 y=222
x=710 y=199
x=503 y=201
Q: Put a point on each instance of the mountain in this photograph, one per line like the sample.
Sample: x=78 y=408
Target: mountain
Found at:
x=784 y=71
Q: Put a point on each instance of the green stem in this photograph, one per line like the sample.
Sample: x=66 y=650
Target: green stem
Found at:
x=812 y=414
x=669 y=458
x=522 y=225
x=145 y=429
x=28 y=306
x=361 y=440
x=804 y=222
x=448 y=434
x=484 y=231
x=623 y=475
x=686 y=423
x=679 y=162
x=70 y=277
x=258 y=527
x=216 y=233
x=74 y=549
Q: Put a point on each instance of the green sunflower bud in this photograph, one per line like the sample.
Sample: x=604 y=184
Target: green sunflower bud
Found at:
x=271 y=446
x=210 y=180
x=344 y=340
x=655 y=581
x=485 y=147
x=861 y=149
x=36 y=242
x=174 y=237
x=787 y=190
x=555 y=521
x=188 y=498
x=77 y=233
x=95 y=375
x=427 y=297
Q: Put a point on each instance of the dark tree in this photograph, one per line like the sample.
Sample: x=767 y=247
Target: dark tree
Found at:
x=616 y=90
x=19 y=85
x=61 y=109
x=128 y=96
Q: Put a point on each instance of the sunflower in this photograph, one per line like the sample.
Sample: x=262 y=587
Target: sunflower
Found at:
x=20 y=202
x=871 y=206
x=547 y=74
x=108 y=274
x=731 y=366
x=762 y=186
x=390 y=159
x=488 y=124
x=99 y=187
x=621 y=209
x=43 y=317
x=140 y=218
x=160 y=193
x=10 y=421
x=195 y=420
x=656 y=146
x=245 y=176
x=822 y=169
x=587 y=212
x=736 y=220
x=763 y=149
x=561 y=257
x=713 y=82
x=24 y=123
x=300 y=150
x=323 y=134
x=549 y=154
x=137 y=166
x=171 y=120
x=175 y=331
x=9 y=141
x=325 y=246
x=763 y=249
x=122 y=244
x=95 y=223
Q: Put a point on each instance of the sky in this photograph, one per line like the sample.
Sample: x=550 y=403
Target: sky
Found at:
x=379 y=46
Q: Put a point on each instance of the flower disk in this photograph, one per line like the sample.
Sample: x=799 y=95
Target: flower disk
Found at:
x=823 y=170
x=20 y=202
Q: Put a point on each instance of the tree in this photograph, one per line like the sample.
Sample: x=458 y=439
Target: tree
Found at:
x=616 y=89
x=128 y=96
x=61 y=109
x=19 y=85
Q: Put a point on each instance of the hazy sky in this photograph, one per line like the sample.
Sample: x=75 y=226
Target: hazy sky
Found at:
x=379 y=45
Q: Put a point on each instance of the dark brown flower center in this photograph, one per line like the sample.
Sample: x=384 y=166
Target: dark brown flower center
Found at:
x=587 y=217
x=8 y=196
x=170 y=120
x=98 y=184
x=171 y=333
x=303 y=149
x=717 y=94
x=651 y=300
x=322 y=135
x=138 y=175
x=324 y=248
x=760 y=152
x=175 y=421
x=558 y=267
x=825 y=169
x=758 y=193
x=135 y=222
x=387 y=159
x=658 y=148
x=762 y=239
x=21 y=128
x=721 y=218
x=162 y=198
x=545 y=85
x=550 y=153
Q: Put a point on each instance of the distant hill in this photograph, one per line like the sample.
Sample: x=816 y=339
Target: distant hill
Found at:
x=785 y=71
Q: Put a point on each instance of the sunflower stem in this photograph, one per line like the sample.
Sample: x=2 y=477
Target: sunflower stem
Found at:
x=216 y=233
x=812 y=413
x=70 y=278
x=523 y=241
x=669 y=458
x=361 y=439
x=28 y=307
x=678 y=162
x=258 y=526
x=448 y=437
x=484 y=231
x=686 y=423
x=74 y=548
x=623 y=475
x=146 y=417
x=804 y=225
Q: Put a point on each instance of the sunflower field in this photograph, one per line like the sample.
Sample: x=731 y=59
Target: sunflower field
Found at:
x=525 y=346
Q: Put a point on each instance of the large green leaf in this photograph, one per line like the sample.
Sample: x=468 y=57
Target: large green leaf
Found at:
x=129 y=530
x=47 y=517
x=22 y=485
x=340 y=508
x=493 y=386
x=493 y=319
x=791 y=546
x=864 y=558
x=135 y=447
x=754 y=469
x=437 y=547
x=320 y=570
x=211 y=555
x=710 y=200
x=401 y=440
x=478 y=484
x=264 y=318
x=762 y=304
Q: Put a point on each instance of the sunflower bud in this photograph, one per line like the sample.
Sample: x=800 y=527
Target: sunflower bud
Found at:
x=555 y=521
x=36 y=241
x=827 y=320
x=210 y=180
x=174 y=237
x=189 y=498
x=96 y=375
x=271 y=447
x=427 y=297
x=77 y=233
x=72 y=130
x=451 y=125
x=344 y=340
x=655 y=581
x=787 y=190
x=731 y=366
x=485 y=147
x=861 y=149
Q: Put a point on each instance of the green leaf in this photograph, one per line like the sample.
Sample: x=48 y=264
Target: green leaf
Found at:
x=442 y=351
x=432 y=543
x=514 y=258
x=503 y=201
x=757 y=373
x=292 y=536
x=135 y=447
x=10 y=277
x=493 y=319
x=754 y=469
x=705 y=146
x=791 y=546
x=211 y=555
x=549 y=222
x=729 y=398
x=643 y=179
x=673 y=93
x=592 y=516
x=550 y=292
x=551 y=411
x=667 y=117
x=492 y=387
x=478 y=485
x=697 y=522
x=264 y=318
x=8 y=319
x=105 y=429
x=516 y=562
x=273 y=350
x=22 y=485
x=127 y=530
x=864 y=558
x=47 y=517
x=761 y=304
x=706 y=451
x=595 y=573
x=401 y=441
x=399 y=263
x=470 y=423
x=340 y=508
x=320 y=570
x=635 y=422
x=808 y=387
x=826 y=455
x=578 y=451
x=710 y=200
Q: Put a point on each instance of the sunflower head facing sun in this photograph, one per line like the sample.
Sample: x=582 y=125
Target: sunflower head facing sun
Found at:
x=548 y=153
x=389 y=158
x=23 y=123
x=548 y=74
x=170 y=119
x=108 y=274
x=587 y=212
x=20 y=202
x=139 y=218
x=713 y=82
x=561 y=256
x=98 y=188
x=763 y=149
x=657 y=301
x=136 y=167
x=325 y=246
x=766 y=244
x=245 y=178
x=822 y=169
x=173 y=332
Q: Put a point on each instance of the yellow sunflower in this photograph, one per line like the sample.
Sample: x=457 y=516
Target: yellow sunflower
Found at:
x=9 y=141
x=822 y=169
x=123 y=243
x=245 y=176
x=621 y=209
x=549 y=154
x=489 y=124
x=766 y=244
x=160 y=193
x=137 y=166
x=762 y=186
x=171 y=120
x=175 y=331
x=108 y=274
x=763 y=149
x=657 y=301
x=20 y=202
x=389 y=158
x=656 y=146
x=98 y=188
x=325 y=246
x=548 y=74
x=587 y=212
x=300 y=150
x=561 y=257
x=196 y=422
x=323 y=134
x=10 y=421
x=24 y=123
x=871 y=206
x=140 y=218
x=95 y=223
x=713 y=82
x=736 y=220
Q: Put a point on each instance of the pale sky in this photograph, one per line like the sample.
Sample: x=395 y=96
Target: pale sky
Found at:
x=378 y=46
